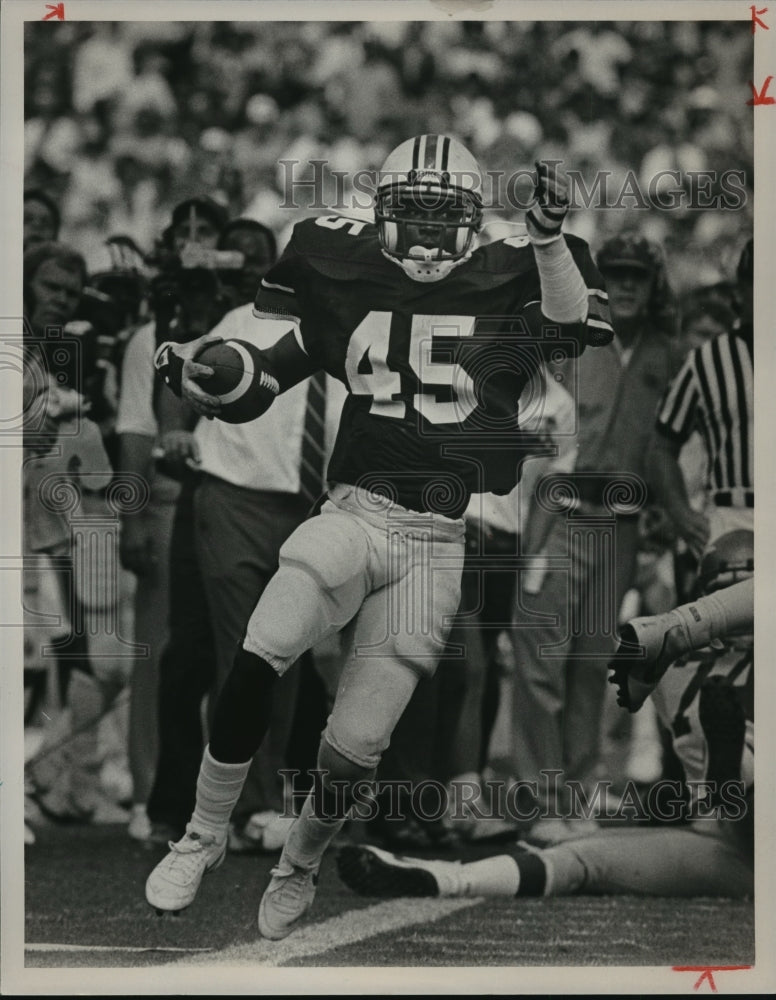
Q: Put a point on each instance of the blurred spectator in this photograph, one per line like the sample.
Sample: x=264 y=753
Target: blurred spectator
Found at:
x=212 y=169
x=703 y=319
x=93 y=188
x=41 y=219
x=258 y=247
x=60 y=439
x=51 y=134
x=258 y=145
x=177 y=289
x=197 y=220
x=102 y=67
x=144 y=551
x=121 y=273
x=149 y=102
x=670 y=87
x=72 y=327
x=560 y=669
x=54 y=278
x=156 y=542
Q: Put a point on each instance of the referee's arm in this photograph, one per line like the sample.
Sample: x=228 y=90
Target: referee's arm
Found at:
x=666 y=482
x=675 y=421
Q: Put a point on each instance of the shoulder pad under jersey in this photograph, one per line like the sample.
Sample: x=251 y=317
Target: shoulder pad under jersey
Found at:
x=338 y=246
x=514 y=254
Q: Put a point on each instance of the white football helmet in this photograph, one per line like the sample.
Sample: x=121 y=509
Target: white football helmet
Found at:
x=728 y=560
x=428 y=206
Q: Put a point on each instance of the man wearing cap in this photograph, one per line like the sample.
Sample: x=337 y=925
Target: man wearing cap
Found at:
x=197 y=220
x=583 y=531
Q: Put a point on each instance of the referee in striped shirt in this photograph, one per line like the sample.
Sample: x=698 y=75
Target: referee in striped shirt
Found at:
x=712 y=392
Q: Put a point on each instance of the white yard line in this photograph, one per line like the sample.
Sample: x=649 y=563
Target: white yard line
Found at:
x=45 y=946
x=345 y=929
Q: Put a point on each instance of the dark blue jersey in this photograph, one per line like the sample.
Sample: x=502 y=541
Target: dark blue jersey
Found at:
x=435 y=370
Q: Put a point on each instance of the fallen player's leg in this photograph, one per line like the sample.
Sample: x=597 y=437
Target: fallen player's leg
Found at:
x=706 y=859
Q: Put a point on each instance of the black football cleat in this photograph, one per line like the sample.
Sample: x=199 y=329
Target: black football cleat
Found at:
x=371 y=871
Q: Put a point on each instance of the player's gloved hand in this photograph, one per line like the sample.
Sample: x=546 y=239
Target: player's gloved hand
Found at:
x=648 y=647
x=176 y=365
x=544 y=220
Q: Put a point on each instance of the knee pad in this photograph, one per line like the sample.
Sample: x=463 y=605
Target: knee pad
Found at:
x=337 y=765
x=341 y=779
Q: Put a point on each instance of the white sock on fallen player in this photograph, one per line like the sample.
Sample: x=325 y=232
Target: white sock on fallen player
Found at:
x=496 y=876
x=218 y=789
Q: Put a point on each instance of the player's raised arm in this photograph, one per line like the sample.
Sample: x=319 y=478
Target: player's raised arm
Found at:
x=567 y=298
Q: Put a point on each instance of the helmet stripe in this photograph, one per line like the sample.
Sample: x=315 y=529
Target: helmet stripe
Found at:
x=429 y=163
x=445 y=152
x=416 y=152
x=422 y=152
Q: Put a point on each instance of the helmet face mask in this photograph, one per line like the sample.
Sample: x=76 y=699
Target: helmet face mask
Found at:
x=431 y=218
x=428 y=208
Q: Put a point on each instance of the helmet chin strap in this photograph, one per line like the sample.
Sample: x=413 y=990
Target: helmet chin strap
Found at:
x=431 y=268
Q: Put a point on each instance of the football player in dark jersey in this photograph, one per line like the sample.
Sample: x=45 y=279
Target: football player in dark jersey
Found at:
x=439 y=338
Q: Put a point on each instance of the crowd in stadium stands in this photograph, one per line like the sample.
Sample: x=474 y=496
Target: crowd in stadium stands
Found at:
x=141 y=138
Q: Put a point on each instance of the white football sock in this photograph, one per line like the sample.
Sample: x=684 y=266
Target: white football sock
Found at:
x=497 y=876
x=218 y=789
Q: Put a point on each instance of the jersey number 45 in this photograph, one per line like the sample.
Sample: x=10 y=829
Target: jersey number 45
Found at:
x=371 y=339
